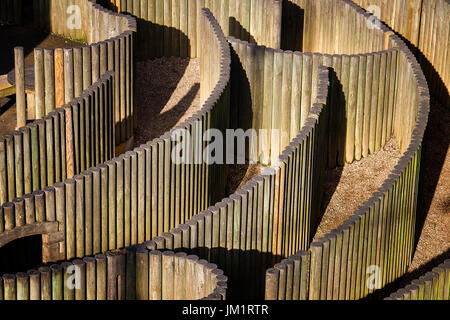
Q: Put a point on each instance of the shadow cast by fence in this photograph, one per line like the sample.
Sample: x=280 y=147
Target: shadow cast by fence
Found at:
x=337 y=123
x=239 y=32
x=155 y=40
x=18 y=36
x=408 y=277
x=436 y=138
x=335 y=150
x=245 y=269
x=241 y=116
x=163 y=121
x=332 y=179
x=7 y=103
x=292 y=26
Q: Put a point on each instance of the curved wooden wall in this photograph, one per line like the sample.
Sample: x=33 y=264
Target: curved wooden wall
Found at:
x=334 y=107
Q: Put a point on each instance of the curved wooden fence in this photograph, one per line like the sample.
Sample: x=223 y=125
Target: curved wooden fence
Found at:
x=131 y=198
x=172 y=27
x=267 y=218
x=425 y=25
x=434 y=285
x=330 y=108
x=381 y=233
x=49 y=150
x=61 y=75
x=131 y=273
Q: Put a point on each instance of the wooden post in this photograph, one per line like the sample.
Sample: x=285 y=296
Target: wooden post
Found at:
x=155 y=264
x=35 y=285
x=272 y=278
x=59 y=78
x=49 y=71
x=46 y=283
x=19 y=72
x=91 y=276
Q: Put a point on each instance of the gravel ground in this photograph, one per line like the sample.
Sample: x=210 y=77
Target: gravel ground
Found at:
x=239 y=175
x=167 y=92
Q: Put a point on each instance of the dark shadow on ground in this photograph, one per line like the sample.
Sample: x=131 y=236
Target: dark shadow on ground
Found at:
x=335 y=150
x=166 y=121
x=154 y=40
x=157 y=41
x=245 y=269
x=18 y=36
x=241 y=117
x=21 y=255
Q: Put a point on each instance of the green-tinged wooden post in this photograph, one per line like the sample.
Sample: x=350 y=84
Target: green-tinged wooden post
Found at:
x=140 y=195
x=57 y=287
x=19 y=212
x=46 y=283
x=359 y=130
x=23 y=286
x=39 y=205
x=35 y=285
x=9 y=287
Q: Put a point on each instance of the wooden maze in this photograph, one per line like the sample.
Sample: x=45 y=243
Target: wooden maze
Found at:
x=336 y=83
